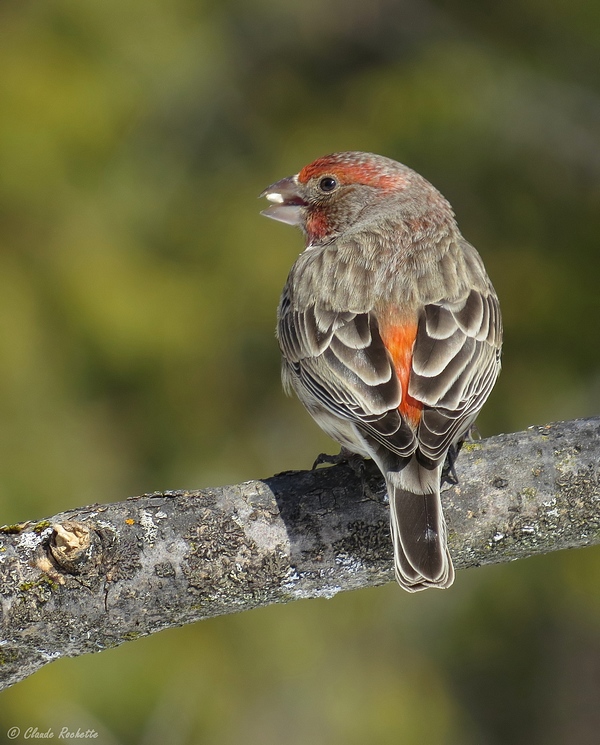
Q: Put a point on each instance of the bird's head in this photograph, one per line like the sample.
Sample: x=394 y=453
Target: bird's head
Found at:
x=342 y=192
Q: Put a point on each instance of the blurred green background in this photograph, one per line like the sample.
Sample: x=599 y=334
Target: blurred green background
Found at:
x=138 y=287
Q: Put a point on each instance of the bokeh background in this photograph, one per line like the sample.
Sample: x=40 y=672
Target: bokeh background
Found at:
x=138 y=287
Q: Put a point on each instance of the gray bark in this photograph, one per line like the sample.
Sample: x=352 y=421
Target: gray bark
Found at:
x=92 y=578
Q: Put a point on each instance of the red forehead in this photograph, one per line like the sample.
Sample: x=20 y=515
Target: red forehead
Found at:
x=350 y=172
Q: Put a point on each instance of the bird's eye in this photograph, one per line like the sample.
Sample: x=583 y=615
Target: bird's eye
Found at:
x=327 y=184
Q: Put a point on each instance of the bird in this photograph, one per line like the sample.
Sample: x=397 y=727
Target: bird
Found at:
x=390 y=333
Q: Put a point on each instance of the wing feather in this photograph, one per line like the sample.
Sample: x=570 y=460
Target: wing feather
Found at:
x=338 y=361
x=454 y=393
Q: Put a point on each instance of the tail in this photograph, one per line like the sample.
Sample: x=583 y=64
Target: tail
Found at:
x=421 y=557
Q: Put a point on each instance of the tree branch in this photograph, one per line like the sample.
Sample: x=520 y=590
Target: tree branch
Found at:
x=95 y=577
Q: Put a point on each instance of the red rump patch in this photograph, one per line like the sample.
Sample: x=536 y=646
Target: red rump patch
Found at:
x=349 y=171
x=399 y=341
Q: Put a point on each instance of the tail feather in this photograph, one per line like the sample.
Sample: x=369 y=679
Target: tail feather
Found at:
x=421 y=555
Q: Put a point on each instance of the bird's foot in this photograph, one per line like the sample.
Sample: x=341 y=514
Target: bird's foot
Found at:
x=449 y=475
x=472 y=434
x=356 y=462
x=344 y=456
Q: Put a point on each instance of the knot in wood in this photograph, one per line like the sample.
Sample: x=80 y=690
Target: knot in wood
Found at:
x=70 y=545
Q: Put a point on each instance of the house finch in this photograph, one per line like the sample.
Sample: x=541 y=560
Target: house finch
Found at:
x=390 y=332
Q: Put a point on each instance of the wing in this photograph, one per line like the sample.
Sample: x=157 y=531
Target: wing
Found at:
x=456 y=360
x=338 y=361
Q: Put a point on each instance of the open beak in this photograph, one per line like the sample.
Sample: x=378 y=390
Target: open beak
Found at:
x=288 y=205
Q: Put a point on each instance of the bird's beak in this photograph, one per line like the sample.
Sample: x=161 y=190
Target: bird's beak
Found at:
x=288 y=204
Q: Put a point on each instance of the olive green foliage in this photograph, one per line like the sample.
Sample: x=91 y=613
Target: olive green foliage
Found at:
x=138 y=288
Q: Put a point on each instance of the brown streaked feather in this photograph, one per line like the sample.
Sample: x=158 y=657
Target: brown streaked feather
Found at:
x=455 y=393
x=353 y=377
x=470 y=317
x=431 y=356
x=371 y=365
